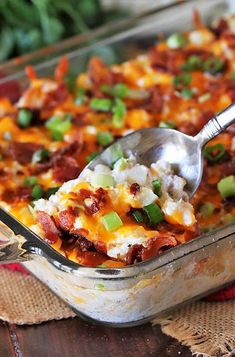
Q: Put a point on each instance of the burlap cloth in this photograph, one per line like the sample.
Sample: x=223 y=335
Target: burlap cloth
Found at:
x=208 y=328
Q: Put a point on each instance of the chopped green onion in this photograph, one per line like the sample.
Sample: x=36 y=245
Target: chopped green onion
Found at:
x=204 y=97
x=137 y=215
x=186 y=93
x=80 y=96
x=193 y=63
x=182 y=80
x=51 y=191
x=232 y=75
x=91 y=157
x=104 y=138
x=101 y=266
x=30 y=181
x=119 y=112
x=116 y=153
x=120 y=165
x=40 y=156
x=176 y=40
x=214 y=153
x=105 y=88
x=24 y=118
x=166 y=124
x=99 y=286
x=58 y=126
x=111 y=221
x=101 y=104
x=229 y=218
x=226 y=186
x=213 y=65
x=207 y=209
x=102 y=180
x=120 y=90
x=37 y=192
x=157 y=187
x=154 y=214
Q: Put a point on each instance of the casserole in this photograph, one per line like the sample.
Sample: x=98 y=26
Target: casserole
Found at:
x=115 y=296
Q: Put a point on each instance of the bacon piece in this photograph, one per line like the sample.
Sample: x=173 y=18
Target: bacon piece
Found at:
x=166 y=61
x=66 y=219
x=30 y=72
x=91 y=259
x=23 y=152
x=188 y=128
x=134 y=188
x=16 y=195
x=221 y=27
x=156 y=244
x=56 y=96
x=65 y=169
x=227 y=168
x=229 y=37
x=134 y=254
x=99 y=199
x=61 y=69
x=49 y=227
x=99 y=72
x=156 y=100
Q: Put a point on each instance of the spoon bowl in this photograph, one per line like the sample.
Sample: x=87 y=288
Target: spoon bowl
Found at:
x=182 y=151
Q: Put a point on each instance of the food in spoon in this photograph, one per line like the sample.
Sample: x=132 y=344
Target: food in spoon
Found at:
x=127 y=213
x=53 y=131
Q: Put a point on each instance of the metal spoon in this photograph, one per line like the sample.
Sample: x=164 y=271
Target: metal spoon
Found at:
x=182 y=151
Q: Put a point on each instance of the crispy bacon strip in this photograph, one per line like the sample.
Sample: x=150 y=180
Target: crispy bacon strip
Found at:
x=49 y=227
x=23 y=152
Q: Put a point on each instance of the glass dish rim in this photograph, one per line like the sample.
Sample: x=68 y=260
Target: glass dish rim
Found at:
x=164 y=258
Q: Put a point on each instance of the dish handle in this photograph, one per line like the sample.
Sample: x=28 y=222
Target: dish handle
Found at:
x=11 y=250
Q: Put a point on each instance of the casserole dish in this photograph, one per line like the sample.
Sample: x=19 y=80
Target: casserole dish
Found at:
x=134 y=294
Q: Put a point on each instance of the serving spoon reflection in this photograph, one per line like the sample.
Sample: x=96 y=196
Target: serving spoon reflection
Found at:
x=182 y=151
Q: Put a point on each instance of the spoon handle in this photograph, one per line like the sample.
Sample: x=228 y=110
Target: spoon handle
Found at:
x=216 y=125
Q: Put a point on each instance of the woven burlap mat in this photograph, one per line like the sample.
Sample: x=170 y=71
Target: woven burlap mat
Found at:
x=208 y=328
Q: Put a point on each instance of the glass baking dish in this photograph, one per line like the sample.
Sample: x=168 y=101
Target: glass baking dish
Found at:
x=134 y=294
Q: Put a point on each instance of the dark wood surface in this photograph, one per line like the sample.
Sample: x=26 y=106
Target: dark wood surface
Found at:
x=76 y=338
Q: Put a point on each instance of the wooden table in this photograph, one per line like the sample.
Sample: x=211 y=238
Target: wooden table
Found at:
x=76 y=338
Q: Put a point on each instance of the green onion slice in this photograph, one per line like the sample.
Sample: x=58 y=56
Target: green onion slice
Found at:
x=102 y=180
x=111 y=221
x=40 y=156
x=182 y=80
x=213 y=65
x=157 y=187
x=24 y=118
x=120 y=90
x=214 y=153
x=166 y=124
x=154 y=214
x=226 y=186
x=186 y=93
x=176 y=40
x=80 y=96
x=138 y=216
x=91 y=157
x=229 y=218
x=101 y=104
x=51 y=191
x=37 y=192
x=193 y=63
x=207 y=209
x=105 y=138
x=119 y=113
x=116 y=153
x=30 y=181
